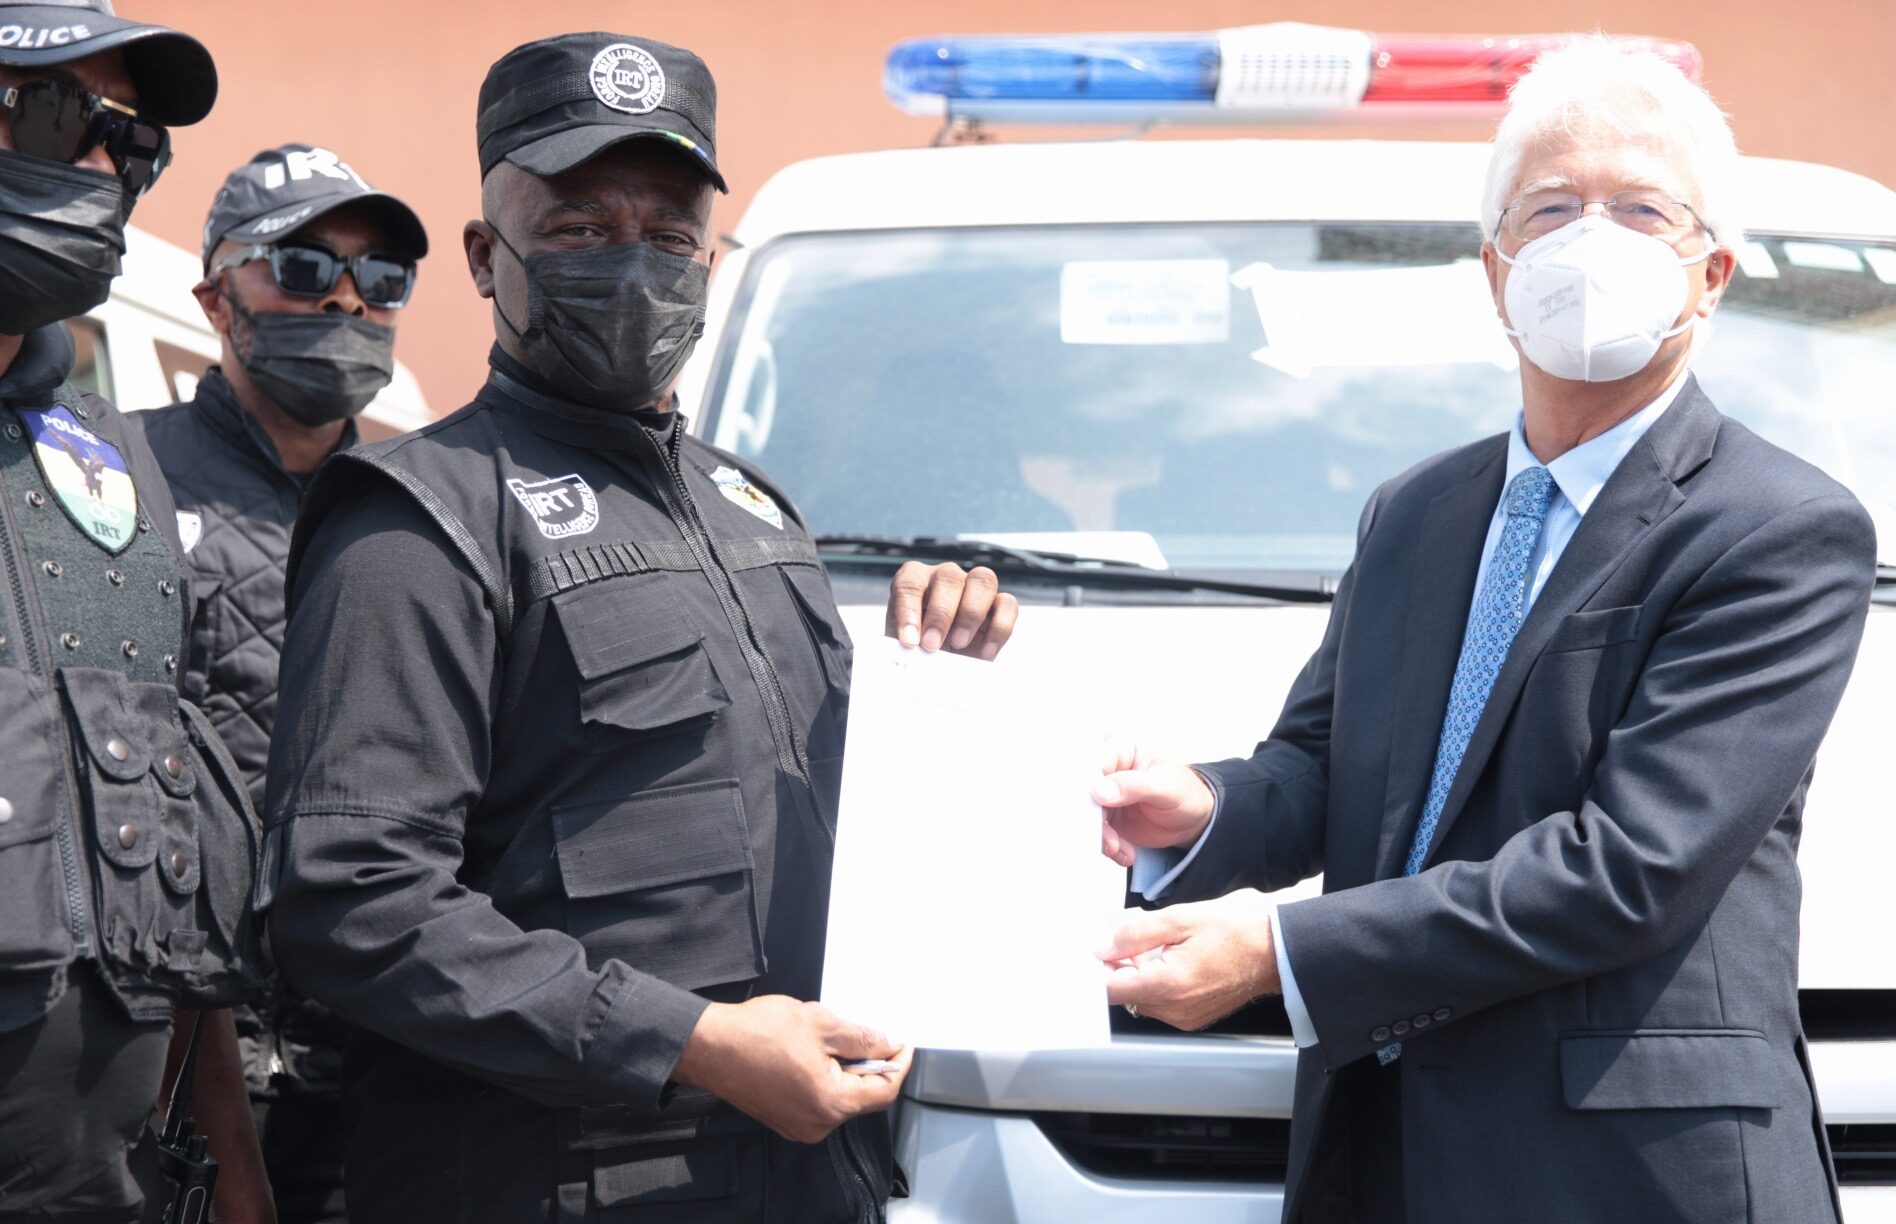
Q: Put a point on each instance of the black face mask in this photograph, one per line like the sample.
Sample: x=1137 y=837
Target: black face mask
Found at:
x=62 y=230
x=610 y=327
x=319 y=368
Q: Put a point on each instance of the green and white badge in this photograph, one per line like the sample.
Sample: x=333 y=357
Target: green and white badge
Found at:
x=87 y=475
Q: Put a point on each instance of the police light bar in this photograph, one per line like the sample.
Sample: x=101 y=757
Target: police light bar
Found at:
x=1279 y=71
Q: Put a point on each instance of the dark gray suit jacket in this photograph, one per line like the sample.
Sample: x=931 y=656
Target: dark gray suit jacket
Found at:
x=1595 y=975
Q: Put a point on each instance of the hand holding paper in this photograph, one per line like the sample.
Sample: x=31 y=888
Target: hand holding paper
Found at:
x=932 y=606
x=775 y=1058
x=1149 y=804
x=1190 y=965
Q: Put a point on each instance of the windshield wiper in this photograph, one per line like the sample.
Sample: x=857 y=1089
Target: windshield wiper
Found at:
x=1069 y=567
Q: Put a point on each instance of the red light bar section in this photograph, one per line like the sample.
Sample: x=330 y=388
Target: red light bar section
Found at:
x=1411 y=69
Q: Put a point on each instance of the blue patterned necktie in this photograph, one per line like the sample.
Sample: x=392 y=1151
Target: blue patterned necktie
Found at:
x=1500 y=607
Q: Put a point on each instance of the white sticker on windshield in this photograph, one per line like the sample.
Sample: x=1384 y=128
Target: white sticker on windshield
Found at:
x=1754 y=259
x=1824 y=256
x=1441 y=314
x=1882 y=261
x=1145 y=301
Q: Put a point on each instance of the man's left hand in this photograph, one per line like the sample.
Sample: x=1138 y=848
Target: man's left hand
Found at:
x=935 y=605
x=1191 y=965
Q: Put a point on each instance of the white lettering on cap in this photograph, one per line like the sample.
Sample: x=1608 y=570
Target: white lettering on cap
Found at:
x=35 y=37
x=628 y=79
x=299 y=165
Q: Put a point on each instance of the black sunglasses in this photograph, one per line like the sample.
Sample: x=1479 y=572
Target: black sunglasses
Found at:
x=312 y=271
x=60 y=120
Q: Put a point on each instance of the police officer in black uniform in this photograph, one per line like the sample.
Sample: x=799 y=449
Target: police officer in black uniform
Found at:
x=305 y=270
x=552 y=794
x=127 y=846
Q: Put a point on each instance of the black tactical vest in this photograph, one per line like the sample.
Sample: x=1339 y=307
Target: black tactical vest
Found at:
x=667 y=748
x=126 y=837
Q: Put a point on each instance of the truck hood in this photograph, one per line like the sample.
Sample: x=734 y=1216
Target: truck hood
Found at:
x=1201 y=684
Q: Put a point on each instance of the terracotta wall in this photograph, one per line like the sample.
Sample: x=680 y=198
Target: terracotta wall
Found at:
x=391 y=85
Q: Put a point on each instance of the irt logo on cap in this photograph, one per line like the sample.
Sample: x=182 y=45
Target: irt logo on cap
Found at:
x=628 y=79
x=299 y=165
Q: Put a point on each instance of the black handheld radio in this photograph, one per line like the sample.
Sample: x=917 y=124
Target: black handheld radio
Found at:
x=184 y=1155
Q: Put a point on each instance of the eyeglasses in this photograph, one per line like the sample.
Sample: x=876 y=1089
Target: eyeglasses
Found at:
x=312 y=271
x=59 y=120
x=1648 y=212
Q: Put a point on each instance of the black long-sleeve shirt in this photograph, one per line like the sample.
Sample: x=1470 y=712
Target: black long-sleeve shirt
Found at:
x=524 y=845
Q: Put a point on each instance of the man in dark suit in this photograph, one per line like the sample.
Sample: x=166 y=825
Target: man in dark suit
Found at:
x=1552 y=753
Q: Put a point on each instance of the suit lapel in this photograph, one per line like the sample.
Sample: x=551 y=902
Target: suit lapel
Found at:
x=1440 y=584
x=1642 y=491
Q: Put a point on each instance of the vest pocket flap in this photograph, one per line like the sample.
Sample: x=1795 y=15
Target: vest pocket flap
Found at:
x=812 y=589
x=611 y=626
x=113 y=717
x=651 y=839
x=1671 y=1069
x=1594 y=630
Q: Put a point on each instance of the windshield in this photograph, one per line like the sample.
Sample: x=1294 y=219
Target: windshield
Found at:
x=1215 y=397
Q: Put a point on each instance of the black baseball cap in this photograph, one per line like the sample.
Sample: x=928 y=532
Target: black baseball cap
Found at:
x=173 y=73
x=281 y=190
x=549 y=105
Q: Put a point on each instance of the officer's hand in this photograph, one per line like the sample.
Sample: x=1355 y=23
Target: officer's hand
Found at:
x=1150 y=804
x=774 y=1057
x=930 y=605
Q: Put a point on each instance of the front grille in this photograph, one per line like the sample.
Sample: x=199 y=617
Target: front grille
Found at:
x=1172 y=1148
x=1865 y=1153
x=1848 y=1015
x=1256 y=1150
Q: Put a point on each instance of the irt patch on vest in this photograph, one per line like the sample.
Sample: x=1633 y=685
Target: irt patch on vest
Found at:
x=86 y=474
x=561 y=507
x=737 y=487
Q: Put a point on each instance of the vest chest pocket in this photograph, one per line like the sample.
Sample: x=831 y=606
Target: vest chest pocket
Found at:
x=662 y=880
x=829 y=638
x=34 y=928
x=641 y=662
x=173 y=842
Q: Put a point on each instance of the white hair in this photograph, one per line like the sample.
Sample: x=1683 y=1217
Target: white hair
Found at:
x=1597 y=89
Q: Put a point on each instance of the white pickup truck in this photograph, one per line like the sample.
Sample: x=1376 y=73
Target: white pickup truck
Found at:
x=1152 y=382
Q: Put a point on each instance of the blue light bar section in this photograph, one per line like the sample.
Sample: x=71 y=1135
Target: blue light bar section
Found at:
x=932 y=75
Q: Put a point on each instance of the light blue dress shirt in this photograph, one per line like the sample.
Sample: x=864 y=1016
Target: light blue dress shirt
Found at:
x=1579 y=475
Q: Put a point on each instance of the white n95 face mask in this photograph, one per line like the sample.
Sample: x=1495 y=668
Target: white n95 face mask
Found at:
x=1593 y=301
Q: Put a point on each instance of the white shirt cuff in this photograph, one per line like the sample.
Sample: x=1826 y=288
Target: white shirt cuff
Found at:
x=1302 y=1031
x=1154 y=870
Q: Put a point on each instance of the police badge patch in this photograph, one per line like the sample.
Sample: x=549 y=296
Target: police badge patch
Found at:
x=87 y=475
x=737 y=487
x=628 y=79
x=561 y=507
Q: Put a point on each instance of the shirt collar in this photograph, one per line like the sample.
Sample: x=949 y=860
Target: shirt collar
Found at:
x=1582 y=472
x=217 y=400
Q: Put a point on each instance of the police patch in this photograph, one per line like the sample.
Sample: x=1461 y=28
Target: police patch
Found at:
x=86 y=474
x=561 y=507
x=628 y=79
x=737 y=487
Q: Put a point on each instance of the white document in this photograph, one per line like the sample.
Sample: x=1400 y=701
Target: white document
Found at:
x=969 y=890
